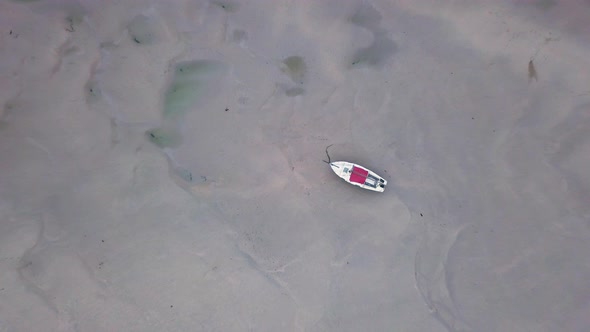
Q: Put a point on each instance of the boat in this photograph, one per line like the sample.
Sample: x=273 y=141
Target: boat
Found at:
x=359 y=176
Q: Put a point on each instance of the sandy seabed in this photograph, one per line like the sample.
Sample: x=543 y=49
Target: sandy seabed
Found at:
x=161 y=165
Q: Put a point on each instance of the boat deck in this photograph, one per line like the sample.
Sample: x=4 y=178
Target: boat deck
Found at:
x=362 y=176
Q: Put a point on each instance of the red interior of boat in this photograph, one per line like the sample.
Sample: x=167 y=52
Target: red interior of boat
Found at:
x=358 y=175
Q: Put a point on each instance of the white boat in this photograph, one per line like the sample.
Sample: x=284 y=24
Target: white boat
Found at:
x=359 y=176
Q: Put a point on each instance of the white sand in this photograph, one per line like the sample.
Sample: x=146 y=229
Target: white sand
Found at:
x=131 y=200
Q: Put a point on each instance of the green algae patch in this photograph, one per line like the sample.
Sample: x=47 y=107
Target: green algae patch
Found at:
x=143 y=30
x=191 y=83
x=295 y=68
x=164 y=137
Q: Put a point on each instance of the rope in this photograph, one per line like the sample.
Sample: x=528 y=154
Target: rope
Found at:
x=328 y=162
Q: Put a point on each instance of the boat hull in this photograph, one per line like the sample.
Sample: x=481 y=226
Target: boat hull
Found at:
x=359 y=176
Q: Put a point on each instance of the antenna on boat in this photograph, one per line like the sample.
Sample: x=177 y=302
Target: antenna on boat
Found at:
x=329 y=160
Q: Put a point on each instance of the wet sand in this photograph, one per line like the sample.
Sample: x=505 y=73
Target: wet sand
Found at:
x=161 y=166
